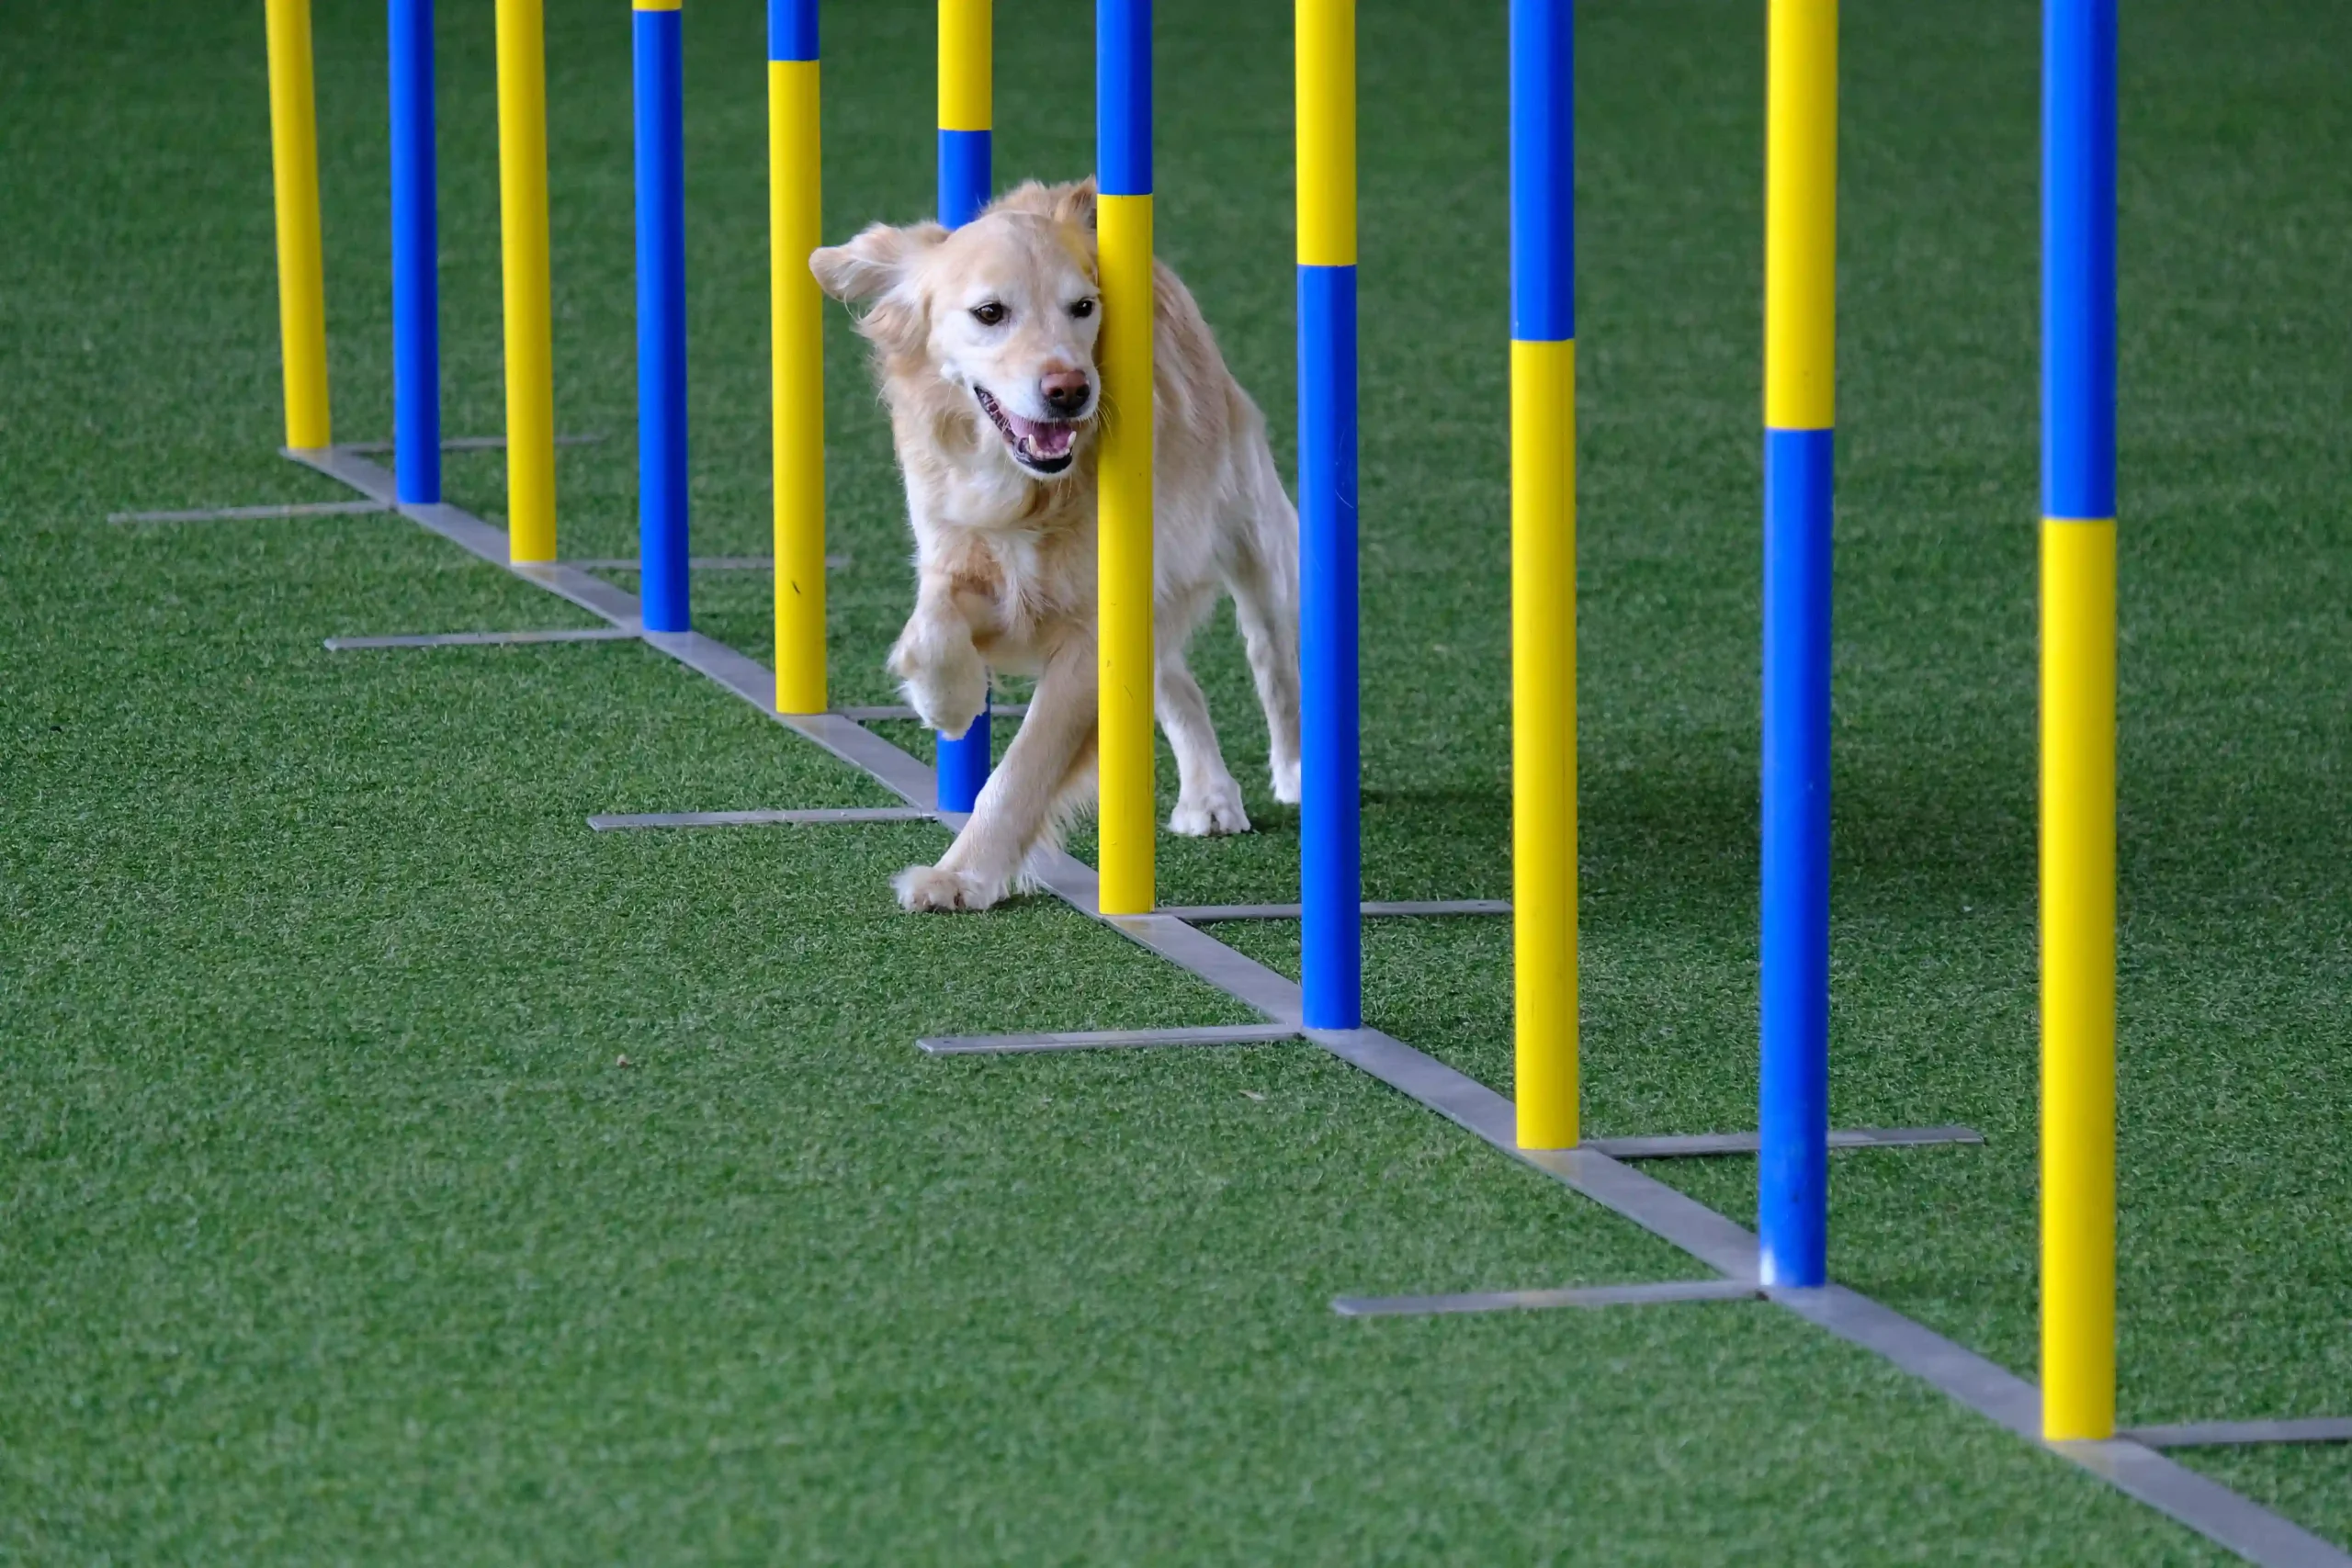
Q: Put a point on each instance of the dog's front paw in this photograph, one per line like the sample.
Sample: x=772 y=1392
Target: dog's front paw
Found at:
x=925 y=888
x=1286 y=788
x=1214 y=811
x=950 y=700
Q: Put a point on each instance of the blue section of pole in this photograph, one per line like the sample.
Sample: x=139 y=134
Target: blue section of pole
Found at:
x=1793 y=1175
x=1331 y=851
x=661 y=325
x=1543 y=171
x=966 y=178
x=2078 y=260
x=792 y=30
x=965 y=174
x=417 y=287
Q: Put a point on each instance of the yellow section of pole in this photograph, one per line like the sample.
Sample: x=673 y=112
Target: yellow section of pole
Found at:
x=1801 y=222
x=523 y=233
x=1543 y=745
x=796 y=312
x=2078 y=978
x=1123 y=226
x=301 y=274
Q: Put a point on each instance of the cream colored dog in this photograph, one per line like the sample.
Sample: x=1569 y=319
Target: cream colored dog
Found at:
x=984 y=343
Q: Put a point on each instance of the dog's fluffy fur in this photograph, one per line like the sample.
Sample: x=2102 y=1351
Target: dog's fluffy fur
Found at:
x=984 y=342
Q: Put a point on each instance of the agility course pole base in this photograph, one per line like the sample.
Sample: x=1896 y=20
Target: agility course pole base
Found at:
x=1658 y=1293
x=483 y=640
x=1715 y=1240
x=812 y=816
x=456 y=443
x=1210 y=914
x=255 y=513
x=699 y=563
x=2236 y=1434
x=1107 y=1040
x=1701 y=1145
x=899 y=710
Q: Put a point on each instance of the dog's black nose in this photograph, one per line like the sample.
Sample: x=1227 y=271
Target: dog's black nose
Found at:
x=1064 y=391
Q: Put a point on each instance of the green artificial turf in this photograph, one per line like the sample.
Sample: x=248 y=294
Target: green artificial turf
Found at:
x=330 y=1226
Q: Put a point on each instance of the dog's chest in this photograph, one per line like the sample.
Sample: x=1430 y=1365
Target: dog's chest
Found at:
x=1022 y=574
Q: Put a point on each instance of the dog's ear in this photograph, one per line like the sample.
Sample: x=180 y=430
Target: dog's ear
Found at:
x=1074 y=204
x=875 y=263
x=1071 y=204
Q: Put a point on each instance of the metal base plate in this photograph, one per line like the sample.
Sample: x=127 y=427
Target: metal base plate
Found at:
x=483 y=640
x=898 y=710
x=2232 y=1434
x=812 y=816
x=1658 y=1293
x=700 y=563
x=1107 y=1040
x=460 y=443
x=255 y=513
x=1209 y=914
x=1691 y=1145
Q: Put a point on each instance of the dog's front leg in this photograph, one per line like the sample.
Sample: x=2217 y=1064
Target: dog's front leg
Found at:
x=937 y=665
x=1016 y=811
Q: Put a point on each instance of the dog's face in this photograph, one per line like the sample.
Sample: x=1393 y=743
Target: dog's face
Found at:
x=1005 y=311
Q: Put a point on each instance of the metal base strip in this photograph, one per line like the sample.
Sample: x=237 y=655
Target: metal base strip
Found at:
x=1589 y=1296
x=700 y=563
x=464 y=443
x=481 y=639
x=2236 y=1434
x=1692 y=1146
x=255 y=513
x=1210 y=914
x=899 y=710
x=814 y=814
x=2211 y=1509
x=1105 y=1040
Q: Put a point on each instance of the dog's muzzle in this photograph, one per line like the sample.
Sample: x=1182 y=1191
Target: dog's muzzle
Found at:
x=1041 y=447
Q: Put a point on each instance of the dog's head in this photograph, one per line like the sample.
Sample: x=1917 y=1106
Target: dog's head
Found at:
x=1004 y=311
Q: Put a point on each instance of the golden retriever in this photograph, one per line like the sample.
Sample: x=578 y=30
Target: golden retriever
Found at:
x=984 y=343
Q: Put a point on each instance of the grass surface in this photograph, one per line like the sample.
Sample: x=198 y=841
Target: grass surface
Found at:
x=330 y=1226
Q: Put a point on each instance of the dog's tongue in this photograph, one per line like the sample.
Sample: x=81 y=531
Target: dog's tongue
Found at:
x=1041 y=440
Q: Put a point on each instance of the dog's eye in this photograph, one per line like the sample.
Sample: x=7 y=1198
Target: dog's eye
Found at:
x=1082 y=308
x=988 y=314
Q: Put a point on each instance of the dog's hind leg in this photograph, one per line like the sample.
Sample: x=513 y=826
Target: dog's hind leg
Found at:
x=1207 y=800
x=1263 y=580
x=1015 y=812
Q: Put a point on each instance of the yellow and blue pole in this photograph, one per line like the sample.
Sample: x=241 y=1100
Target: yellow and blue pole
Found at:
x=416 y=288
x=661 y=318
x=1544 y=570
x=301 y=275
x=1800 y=323
x=966 y=75
x=1123 y=565
x=2078 y=137
x=523 y=233
x=1330 y=870
x=797 y=348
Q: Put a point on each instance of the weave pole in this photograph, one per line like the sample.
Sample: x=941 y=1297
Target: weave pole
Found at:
x=661 y=317
x=294 y=175
x=1123 y=477
x=2079 y=136
x=523 y=243
x=1543 y=570
x=416 y=286
x=1799 y=333
x=795 y=314
x=966 y=90
x=1330 y=854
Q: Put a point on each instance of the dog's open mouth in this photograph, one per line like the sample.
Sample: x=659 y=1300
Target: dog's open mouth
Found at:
x=1041 y=447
